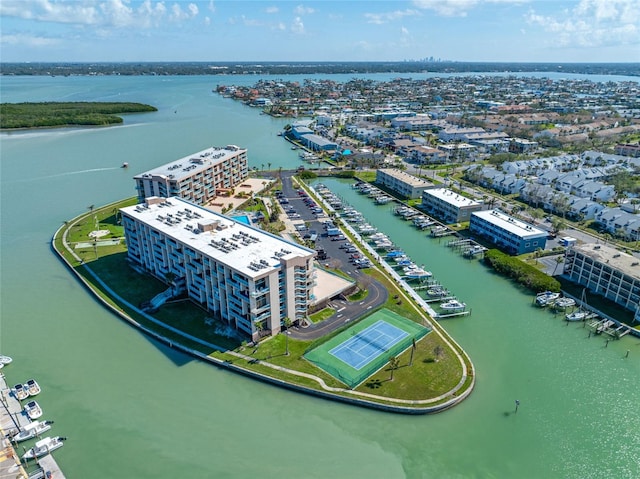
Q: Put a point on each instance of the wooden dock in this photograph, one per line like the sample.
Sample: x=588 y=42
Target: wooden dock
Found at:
x=609 y=327
x=466 y=312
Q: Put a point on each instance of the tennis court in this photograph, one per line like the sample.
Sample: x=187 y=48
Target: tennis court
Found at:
x=367 y=345
x=359 y=351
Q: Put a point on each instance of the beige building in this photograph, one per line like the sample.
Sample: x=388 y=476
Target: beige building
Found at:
x=199 y=177
x=402 y=183
x=448 y=205
x=605 y=271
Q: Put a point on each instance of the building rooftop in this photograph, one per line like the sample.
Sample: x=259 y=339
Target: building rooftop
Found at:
x=513 y=225
x=187 y=166
x=405 y=177
x=248 y=250
x=626 y=263
x=451 y=197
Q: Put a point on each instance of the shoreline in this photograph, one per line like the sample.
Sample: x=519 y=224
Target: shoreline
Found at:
x=344 y=395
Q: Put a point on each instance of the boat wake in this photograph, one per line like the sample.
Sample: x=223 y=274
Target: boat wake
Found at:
x=67 y=173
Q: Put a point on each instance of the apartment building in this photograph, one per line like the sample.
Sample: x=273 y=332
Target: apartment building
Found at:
x=244 y=276
x=199 y=177
x=605 y=271
x=402 y=183
x=507 y=233
x=448 y=205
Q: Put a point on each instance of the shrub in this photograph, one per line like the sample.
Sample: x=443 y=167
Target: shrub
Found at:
x=522 y=272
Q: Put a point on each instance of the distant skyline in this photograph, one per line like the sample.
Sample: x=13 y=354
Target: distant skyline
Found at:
x=353 y=30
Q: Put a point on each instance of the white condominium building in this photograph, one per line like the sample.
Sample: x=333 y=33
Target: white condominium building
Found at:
x=402 y=183
x=199 y=177
x=449 y=205
x=249 y=278
x=605 y=271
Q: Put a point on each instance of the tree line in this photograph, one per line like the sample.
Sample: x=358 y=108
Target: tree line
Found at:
x=57 y=114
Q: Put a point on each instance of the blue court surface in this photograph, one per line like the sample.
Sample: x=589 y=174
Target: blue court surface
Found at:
x=368 y=344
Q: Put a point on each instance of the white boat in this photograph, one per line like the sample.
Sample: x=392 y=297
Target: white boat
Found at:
x=547 y=297
x=33 y=410
x=577 y=315
x=453 y=305
x=418 y=273
x=438 y=292
x=563 y=303
x=32 y=430
x=44 y=447
x=581 y=313
x=5 y=360
x=33 y=387
x=20 y=392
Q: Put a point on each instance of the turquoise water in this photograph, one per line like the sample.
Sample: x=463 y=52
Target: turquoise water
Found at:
x=133 y=408
x=245 y=219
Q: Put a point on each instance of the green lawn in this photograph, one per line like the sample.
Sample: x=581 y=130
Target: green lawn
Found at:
x=428 y=376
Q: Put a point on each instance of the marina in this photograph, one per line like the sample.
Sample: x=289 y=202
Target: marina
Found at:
x=553 y=369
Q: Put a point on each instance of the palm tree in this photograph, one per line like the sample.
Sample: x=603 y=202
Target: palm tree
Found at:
x=259 y=328
x=437 y=352
x=394 y=362
x=269 y=166
x=287 y=324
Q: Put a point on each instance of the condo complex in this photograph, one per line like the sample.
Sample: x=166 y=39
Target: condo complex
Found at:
x=199 y=177
x=241 y=274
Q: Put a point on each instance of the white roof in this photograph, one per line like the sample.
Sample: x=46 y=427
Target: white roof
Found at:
x=512 y=225
x=248 y=250
x=187 y=166
x=626 y=263
x=451 y=197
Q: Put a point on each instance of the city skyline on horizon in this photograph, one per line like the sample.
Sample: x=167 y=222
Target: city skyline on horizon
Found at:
x=523 y=31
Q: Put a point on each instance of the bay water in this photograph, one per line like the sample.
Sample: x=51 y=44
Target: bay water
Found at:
x=134 y=408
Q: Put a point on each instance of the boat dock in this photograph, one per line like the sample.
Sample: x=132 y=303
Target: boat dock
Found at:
x=609 y=327
x=466 y=312
x=12 y=418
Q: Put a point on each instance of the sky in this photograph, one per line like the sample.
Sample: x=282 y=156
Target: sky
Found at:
x=325 y=30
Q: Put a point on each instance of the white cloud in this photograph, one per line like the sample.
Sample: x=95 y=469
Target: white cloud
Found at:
x=458 y=8
x=179 y=15
x=297 y=26
x=404 y=31
x=211 y=7
x=271 y=10
x=27 y=40
x=380 y=18
x=302 y=10
x=592 y=23
x=99 y=13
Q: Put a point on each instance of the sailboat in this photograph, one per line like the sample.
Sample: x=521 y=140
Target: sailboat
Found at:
x=581 y=313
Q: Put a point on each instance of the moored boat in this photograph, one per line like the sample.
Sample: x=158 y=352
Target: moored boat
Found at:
x=44 y=447
x=4 y=360
x=32 y=430
x=453 y=305
x=33 y=410
x=577 y=315
x=546 y=297
x=33 y=387
x=562 y=303
x=20 y=392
